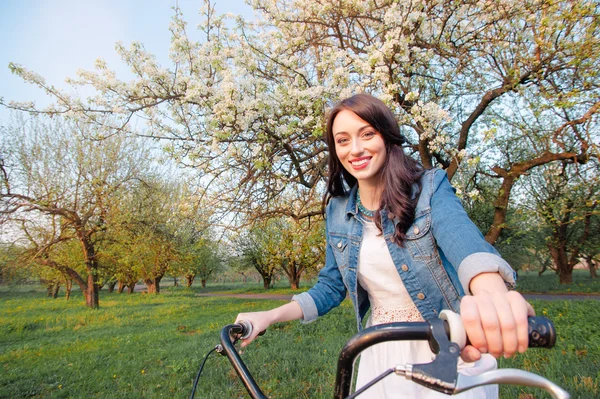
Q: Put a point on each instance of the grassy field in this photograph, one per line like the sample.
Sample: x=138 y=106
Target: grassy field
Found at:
x=548 y=283
x=151 y=346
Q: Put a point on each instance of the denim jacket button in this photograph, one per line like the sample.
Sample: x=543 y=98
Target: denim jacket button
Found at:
x=339 y=245
x=420 y=295
x=405 y=268
x=416 y=230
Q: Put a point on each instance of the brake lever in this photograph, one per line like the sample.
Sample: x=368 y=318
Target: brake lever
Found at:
x=442 y=373
x=509 y=376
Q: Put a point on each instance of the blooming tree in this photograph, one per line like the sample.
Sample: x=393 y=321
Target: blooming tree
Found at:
x=245 y=106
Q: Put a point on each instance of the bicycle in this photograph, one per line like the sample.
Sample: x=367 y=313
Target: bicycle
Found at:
x=446 y=338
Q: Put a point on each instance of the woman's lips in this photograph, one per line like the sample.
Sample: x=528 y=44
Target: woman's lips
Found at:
x=360 y=163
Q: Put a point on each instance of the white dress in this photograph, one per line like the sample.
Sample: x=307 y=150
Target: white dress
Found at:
x=390 y=302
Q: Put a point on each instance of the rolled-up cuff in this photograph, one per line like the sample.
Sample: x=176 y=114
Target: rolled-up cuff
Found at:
x=308 y=306
x=484 y=262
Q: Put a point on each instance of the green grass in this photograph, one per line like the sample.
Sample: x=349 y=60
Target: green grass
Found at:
x=548 y=283
x=151 y=347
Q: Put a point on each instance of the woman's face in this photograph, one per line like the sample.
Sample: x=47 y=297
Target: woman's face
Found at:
x=359 y=147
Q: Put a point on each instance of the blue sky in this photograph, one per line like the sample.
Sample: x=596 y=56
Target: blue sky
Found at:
x=55 y=38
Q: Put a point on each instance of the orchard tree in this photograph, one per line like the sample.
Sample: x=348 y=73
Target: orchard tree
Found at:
x=59 y=185
x=566 y=200
x=300 y=248
x=253 y=248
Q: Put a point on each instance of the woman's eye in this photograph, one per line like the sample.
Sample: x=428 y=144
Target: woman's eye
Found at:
x=342 y=141
x=368 y=134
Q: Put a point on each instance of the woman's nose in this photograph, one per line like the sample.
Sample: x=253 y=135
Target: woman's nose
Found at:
x=357 y=147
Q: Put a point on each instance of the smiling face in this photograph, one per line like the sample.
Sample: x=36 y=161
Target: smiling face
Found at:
x=359 y=147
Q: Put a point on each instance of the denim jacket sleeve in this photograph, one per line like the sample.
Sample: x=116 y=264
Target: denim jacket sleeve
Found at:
x=459 y=238
x=327 y=293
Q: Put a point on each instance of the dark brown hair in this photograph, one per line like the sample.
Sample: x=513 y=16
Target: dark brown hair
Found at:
x=399 y=175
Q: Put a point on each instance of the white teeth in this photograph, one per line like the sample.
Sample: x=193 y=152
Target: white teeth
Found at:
x=361 y=162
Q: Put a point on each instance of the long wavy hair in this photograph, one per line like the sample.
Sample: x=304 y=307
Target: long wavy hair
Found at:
x=399 y=175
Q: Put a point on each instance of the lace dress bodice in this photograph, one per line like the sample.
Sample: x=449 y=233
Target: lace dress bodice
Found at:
x=390 y=302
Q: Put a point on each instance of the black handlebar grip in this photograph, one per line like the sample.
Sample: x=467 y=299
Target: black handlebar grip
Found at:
x=542 y=333
x=247 y=328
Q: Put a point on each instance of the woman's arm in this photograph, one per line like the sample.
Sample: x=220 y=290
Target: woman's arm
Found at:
x=262 y=320
x=495 y=318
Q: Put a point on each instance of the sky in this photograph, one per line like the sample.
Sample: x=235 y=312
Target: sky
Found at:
x=55 y=38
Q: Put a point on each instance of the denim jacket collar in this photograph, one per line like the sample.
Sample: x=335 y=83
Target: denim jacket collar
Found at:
x=352 y=206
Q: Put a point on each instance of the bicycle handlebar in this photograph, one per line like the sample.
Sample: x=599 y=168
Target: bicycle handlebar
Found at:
x=440 y=375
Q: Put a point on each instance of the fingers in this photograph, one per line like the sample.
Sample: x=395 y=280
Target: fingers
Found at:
x=508 y=340
x=470 y=354
x=469 y=312
x=496 y=323
x=258 y=325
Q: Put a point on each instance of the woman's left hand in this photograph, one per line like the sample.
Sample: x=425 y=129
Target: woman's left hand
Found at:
x=495 y=319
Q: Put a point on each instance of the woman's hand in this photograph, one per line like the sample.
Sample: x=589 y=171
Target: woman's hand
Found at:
x=260 y=322
x=494 y=318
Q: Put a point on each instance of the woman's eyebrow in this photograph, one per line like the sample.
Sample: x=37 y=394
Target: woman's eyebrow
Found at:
x=359 y=130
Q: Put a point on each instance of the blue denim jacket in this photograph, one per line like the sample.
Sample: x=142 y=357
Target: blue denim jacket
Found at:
x=443 y=251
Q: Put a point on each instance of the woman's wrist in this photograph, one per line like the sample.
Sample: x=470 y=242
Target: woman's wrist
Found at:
x=487 y=282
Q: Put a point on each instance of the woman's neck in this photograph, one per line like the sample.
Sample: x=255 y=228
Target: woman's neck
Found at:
x=370 y=196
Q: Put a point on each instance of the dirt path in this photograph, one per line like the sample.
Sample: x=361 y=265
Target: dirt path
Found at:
x=544 y=297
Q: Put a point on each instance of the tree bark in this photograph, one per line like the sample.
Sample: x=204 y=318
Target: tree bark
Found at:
x=589 y=259
x=68 y=288
x=189 y=279
x=111 y=286
x=203 y=282
x=121 y=287
x=267 y=282
x=92 y=297
x=558 y=251
x=153 y=285
x=295 y=283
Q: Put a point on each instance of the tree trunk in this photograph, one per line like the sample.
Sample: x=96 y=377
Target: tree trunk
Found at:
x=266 y=282
x=190 y=279
x=203 y=281
x=68 y=288
x=131 y=288
x=111 y=286
x=92 y=297
x=121 y=287
x=589 y=259
x=559 y=255
x=55 y=290
x=153 y=285
x=295 y=282
x=175 y=283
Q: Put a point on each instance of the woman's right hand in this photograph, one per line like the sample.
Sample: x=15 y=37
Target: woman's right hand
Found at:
x=260 y=322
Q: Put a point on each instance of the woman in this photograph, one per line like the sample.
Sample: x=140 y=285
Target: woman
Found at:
x=399 y=242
